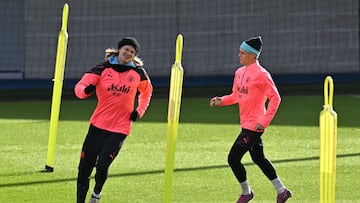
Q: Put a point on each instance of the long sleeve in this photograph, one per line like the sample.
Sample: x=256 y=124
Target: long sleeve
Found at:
x=273 y=95
x=251 y=89
x=116 y=89
x=231 y=98
x=86 y=80
x=145 y=89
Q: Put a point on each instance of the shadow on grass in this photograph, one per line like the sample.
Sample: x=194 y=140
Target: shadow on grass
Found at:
x=155 y=171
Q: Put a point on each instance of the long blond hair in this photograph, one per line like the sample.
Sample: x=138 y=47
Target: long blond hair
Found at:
x=113 y=52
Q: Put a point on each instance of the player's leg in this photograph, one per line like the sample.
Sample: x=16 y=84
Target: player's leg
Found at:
x=242 y=144
x=112 y=146
x=258 y=156
x=87 y=162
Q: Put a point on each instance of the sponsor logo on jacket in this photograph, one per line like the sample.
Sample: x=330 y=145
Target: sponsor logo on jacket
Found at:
x=118 y=90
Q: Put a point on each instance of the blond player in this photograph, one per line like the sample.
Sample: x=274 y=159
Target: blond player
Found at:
x=116 y=83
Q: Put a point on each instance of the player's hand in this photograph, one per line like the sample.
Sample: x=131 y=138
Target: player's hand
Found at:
x=134 y=116
x=89 y=89
x=215 y=101
x=259 y=127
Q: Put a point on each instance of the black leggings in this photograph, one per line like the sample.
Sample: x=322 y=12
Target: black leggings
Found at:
x=249 y=141
x=99 y=150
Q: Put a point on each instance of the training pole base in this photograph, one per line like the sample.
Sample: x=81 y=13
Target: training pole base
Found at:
x=49 y=169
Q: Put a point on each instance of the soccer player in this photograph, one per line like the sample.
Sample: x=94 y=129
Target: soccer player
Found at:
x=252 y=88
x=116 y=83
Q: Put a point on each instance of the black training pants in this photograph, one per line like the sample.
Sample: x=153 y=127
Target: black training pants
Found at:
x=249 y=141
x=99 y=149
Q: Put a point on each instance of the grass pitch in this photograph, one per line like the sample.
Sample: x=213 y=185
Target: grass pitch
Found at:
x=201 y=171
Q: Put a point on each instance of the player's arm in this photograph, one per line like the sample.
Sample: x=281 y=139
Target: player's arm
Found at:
x=145 y=92
x=274 y=100
x=226 y=100
x=86 y=86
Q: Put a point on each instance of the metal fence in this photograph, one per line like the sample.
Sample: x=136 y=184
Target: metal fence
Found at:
x=300 y=36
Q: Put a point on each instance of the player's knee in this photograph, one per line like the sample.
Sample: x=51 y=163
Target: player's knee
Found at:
x=257 y=160
x=101 y=173
x=232 y=159
x=261 y=161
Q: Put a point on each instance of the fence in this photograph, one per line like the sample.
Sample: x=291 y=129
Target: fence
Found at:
x=301 y=37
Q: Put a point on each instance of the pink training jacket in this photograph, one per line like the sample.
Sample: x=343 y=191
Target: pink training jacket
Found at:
x=252 y=87
x=116 y=89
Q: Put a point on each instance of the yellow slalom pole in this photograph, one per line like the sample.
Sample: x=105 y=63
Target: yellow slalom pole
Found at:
x=176 y=82
x=328 y=137
x=57 y=89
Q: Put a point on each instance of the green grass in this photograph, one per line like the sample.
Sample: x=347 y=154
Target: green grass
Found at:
x=201 y=171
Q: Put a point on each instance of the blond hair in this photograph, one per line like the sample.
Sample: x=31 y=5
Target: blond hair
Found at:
x=113 y=52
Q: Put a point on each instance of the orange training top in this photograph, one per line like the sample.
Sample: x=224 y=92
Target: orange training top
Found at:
x=252 y=87
x=116 y=88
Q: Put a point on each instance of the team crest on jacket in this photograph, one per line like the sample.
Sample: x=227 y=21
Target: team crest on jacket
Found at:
x=109 y=74
x=130 y=78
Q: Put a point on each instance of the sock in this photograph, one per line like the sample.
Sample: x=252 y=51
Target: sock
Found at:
x=97 y=196
x=278 y=185
x=245 y=187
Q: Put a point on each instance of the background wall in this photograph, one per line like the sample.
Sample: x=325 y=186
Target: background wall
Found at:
x=301 y=37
